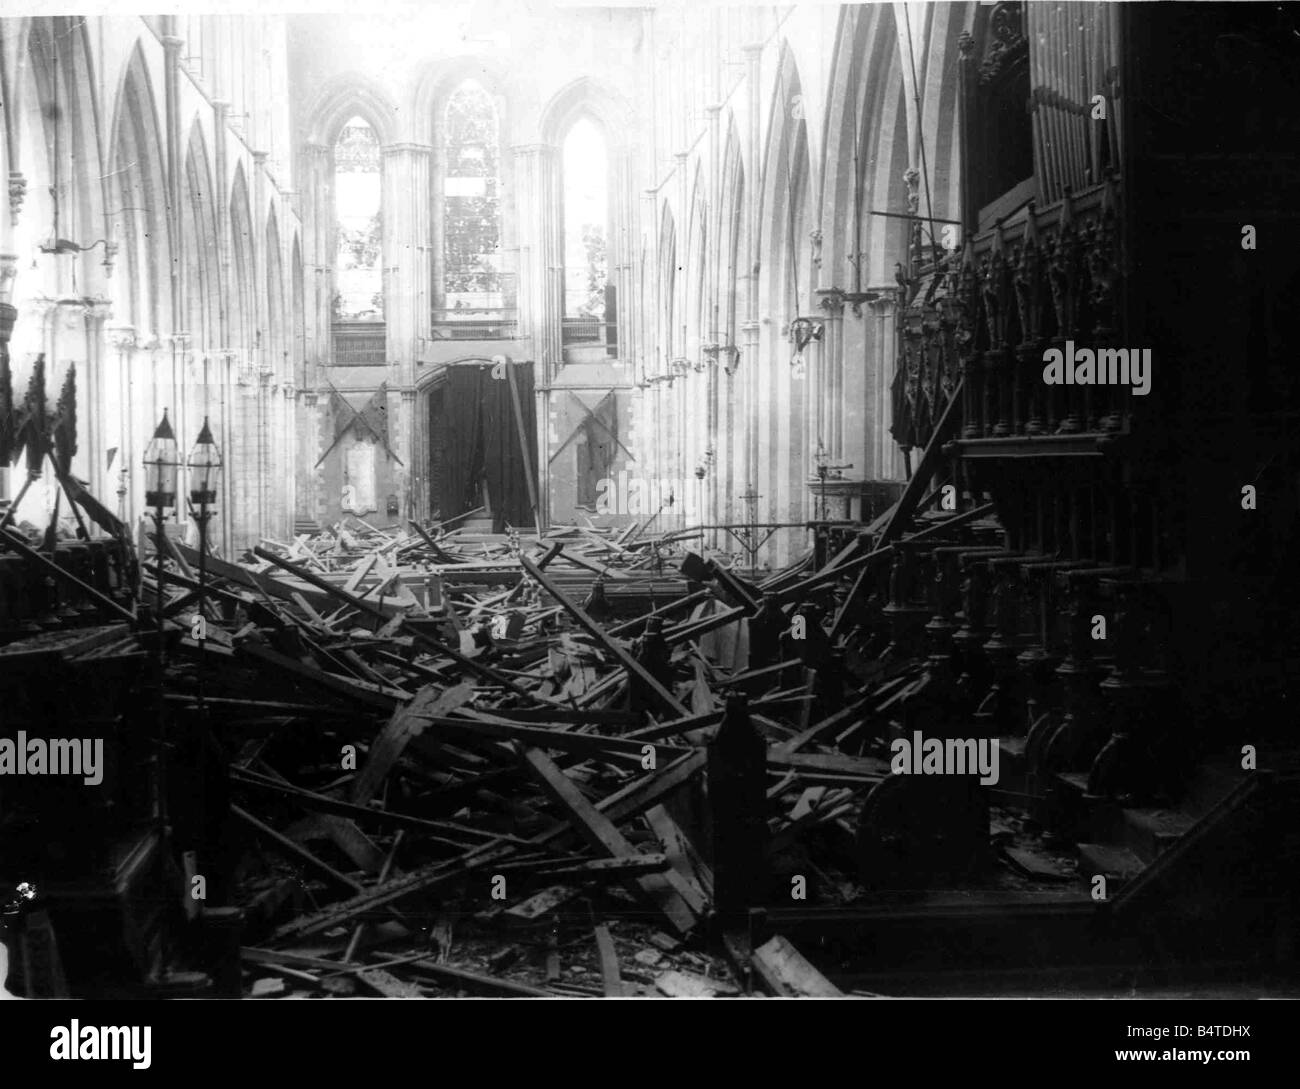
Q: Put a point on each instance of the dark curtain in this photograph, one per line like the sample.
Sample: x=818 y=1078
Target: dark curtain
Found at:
x=473 y=426
x=507 y=463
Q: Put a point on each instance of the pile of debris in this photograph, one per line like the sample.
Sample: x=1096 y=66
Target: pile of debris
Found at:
x=502 y=765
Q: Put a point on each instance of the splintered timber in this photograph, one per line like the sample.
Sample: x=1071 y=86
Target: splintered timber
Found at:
x=1104 y=367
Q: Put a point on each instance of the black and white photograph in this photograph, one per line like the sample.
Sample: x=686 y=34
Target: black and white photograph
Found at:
x=641 y=500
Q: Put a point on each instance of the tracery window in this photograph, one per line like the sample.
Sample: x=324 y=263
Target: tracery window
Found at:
x=359 y=286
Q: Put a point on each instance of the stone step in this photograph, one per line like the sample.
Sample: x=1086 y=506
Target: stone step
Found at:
x=1119 y=865
x=1148 y=832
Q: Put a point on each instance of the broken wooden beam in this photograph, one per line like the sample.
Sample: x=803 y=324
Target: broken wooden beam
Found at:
x=661 y=694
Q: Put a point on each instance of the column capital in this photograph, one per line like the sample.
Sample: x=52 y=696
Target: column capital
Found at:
x=121 y=337
x=887 y=300
x=172 y=44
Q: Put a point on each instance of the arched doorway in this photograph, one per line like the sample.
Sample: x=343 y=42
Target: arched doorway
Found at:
x=480 y=443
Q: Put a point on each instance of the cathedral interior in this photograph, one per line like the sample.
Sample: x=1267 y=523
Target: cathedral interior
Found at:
x=501 y=498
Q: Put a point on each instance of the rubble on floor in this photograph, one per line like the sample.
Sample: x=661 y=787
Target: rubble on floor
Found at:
x=471 y=764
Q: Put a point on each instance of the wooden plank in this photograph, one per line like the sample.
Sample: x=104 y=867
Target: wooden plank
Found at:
x=863 y=767
x=661 y=694
x=539 y=904
x=590 y=745
x=603 y=868
x=610 y=977
x=295 y=850
x=675 y=847
x=355 y=690
x=824 y=726
x=363 y=569
x=677 y=984
x=426 y=879
x=469 y=980
x=388 y=985
x=778 y=960
x=407 y=722
x=599 y=832
x=473 y=981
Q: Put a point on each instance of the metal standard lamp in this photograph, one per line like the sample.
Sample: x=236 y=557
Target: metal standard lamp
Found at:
x=205 y=476
x=161 y=465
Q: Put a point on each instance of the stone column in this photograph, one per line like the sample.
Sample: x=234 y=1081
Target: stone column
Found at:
x=541 y=288
x=883 y=459
x=407 y=240
x=318 y=253
x=748 y=415
x=121 y=341
x=412 y=480
x=831 y=422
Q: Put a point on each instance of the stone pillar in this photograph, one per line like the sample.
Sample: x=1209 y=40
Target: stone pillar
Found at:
x=882 y=458
x=541 y=288
x=318 y=254
x=408 y=240
x=411 y=481
x=94 y=397
x=832 y=392
x=121 y=341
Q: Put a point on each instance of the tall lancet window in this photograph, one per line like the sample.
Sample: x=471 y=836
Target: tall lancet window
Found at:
x=589 y=306
x=359 y=264
x=472 y=282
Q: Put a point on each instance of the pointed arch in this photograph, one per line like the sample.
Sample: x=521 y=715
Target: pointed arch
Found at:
x=203 y=294
x=139 y=199
x=243 y=312
x=667 y=280
x=779 y=389
x=275 y=339
x=695 y=268
x=68 y=107
x=469 y=165
x=349 y=95
x=298 y=309
x=591 y=97
x=441 y=81
x=785 y=251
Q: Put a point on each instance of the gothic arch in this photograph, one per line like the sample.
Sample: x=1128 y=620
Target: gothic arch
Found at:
x=442 y=79
x=344 y=97
x=298 y=310
x=138 y=200
x=591 y=97
x=203 y=293
x=779 y=391
x=243 y=311
x=275 y=338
